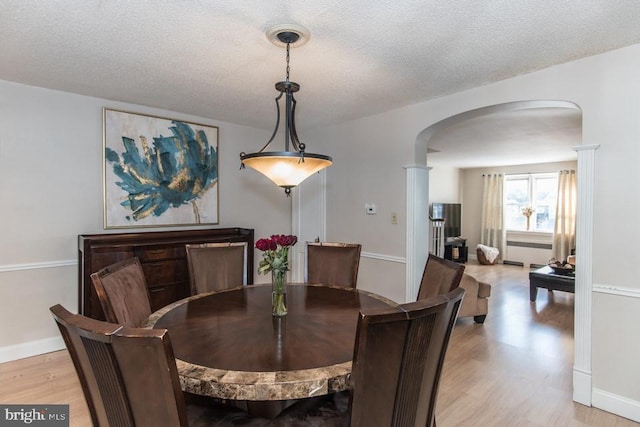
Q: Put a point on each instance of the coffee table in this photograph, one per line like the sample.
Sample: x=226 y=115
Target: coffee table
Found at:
x=546 y=278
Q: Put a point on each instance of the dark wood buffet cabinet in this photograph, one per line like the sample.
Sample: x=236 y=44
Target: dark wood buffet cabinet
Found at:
x=162 y=255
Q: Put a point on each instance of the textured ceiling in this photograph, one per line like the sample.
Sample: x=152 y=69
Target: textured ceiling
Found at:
x=212 y=58
x=523 y=136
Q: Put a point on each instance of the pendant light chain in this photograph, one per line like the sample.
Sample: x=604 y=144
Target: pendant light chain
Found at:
x=288 y=61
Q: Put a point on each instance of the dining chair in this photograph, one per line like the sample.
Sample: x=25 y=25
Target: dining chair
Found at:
x=398 y=358
x=123 y=293
x=129 y=377
x=333 y=263
x=440 y=276
x=216 y=266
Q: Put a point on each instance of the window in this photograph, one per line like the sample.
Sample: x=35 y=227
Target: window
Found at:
x=537 y=191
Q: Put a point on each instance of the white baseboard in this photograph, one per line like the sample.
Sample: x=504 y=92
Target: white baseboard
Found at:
x=616 y=404
x=32 y=348
x=582 y=387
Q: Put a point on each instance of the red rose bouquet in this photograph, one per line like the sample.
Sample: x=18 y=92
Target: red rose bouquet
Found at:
x=276 y=253
x=275 y=259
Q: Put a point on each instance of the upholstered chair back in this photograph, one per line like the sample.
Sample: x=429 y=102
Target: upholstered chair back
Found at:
x=397 y=363
x=216 y=266
x=440 y=276
x=128 y=376
x=398 y=360
x=333 y=263
x=123 y=293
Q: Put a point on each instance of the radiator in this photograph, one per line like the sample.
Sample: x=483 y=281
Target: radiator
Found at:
x=527 y=253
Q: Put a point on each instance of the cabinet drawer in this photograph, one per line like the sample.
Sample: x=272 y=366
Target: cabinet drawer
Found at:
x=151 y=253
x=105 y=258
x=162 y=296
x=164 y=272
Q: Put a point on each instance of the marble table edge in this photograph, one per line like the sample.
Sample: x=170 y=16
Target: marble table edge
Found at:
x=248 y=385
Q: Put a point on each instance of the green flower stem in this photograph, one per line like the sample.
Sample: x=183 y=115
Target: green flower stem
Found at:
x=279 y=295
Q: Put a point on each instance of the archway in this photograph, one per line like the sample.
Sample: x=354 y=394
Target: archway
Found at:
x=418 y=196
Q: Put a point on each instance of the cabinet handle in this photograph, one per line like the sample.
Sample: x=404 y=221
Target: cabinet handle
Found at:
x=157 y=289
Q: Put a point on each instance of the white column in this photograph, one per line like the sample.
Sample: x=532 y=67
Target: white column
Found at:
x=417 y=227
x=584 y=275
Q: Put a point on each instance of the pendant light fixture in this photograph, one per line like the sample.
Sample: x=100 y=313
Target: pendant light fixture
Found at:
x=290 y=167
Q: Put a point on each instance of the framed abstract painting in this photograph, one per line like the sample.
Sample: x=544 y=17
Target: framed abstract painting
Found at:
x=158 y=172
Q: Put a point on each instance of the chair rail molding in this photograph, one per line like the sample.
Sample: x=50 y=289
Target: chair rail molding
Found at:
x=620 y=291
x=38 y=265
x=383 y=257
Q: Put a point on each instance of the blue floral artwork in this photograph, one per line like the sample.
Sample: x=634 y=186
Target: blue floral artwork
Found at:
x=159 y=171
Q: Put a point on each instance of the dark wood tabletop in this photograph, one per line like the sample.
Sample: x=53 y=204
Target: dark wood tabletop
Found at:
x=228 y=345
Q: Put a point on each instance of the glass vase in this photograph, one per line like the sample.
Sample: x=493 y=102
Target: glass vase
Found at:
x=279 y=293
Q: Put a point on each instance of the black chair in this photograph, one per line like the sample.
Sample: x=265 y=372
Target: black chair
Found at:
x=123 y=293
x=129 y=377
x=333 y=263
x=397 y=363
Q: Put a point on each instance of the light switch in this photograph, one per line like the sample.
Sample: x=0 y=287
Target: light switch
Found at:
x=370 y=208
x=394 y=218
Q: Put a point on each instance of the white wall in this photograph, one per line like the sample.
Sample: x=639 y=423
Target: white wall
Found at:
x=368 y=168
x=51 y=191
x=370 y=154
x=445 y=184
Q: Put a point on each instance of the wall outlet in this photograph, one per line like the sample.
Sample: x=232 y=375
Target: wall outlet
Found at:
x=370 y=208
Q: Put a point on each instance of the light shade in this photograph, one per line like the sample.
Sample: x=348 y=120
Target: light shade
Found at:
x=286 y=168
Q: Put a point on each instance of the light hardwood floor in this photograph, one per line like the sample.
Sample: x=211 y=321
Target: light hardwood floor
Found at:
x=515 y=370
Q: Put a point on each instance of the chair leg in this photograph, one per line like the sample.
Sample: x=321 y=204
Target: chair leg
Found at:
x=480 y=319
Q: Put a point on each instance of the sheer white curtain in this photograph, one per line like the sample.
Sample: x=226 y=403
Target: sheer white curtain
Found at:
x=564 y=233
x=492 y=225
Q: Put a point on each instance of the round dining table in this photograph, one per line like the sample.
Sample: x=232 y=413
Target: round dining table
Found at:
x=227 y=344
